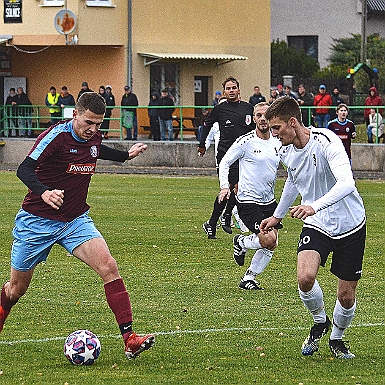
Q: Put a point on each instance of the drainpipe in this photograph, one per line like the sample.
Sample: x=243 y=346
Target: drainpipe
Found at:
x=129 y=45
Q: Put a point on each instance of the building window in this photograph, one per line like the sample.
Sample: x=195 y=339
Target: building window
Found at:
x=309 y=44
x=53 y=3
x=99 y=3
x=165 y=76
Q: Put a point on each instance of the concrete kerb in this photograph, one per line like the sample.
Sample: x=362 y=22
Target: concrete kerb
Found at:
x=181 y=158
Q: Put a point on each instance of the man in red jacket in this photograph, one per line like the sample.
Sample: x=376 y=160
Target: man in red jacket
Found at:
x=321 y=114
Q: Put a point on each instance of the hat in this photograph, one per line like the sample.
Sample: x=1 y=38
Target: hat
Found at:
x=84 y=84
x=322 y=86
x=109 y=87
x=279 y=86
x=126 y=88
x=218 y=93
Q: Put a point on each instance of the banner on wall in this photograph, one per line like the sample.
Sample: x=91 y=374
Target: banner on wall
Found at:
x=12 y=11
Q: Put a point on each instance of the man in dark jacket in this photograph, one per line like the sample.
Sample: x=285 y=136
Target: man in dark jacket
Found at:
x=305 y=99
x=11 y=113
x=129 y=120
x=153 y=115
x=257 y=97
x=83 y=90
x=336 y=101
x=165 y=115
x=24 y=112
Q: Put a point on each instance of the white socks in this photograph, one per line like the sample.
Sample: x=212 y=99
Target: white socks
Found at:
x=313 y=301
x=341 y=320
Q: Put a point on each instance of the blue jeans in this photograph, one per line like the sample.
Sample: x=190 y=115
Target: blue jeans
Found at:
x=322 y=120
x=370 y=134
x=163 y=124
x=25 y=122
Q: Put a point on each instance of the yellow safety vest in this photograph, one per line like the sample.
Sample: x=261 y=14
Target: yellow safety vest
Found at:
x=52 y=99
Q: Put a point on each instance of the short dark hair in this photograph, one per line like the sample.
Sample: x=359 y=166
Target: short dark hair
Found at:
x=165 y=90
x=230 y=79
x=52 y=88
x=284 y=108
x=91 y=101
x=64 y=88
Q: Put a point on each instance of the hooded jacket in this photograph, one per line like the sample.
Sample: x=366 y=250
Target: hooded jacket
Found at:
x=374 y=100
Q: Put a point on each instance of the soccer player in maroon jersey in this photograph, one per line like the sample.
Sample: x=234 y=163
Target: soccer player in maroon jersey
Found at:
x=343 y=128
x=57 y=172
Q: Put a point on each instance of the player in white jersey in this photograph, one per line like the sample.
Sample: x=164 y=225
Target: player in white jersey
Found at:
x=334 y=219
x=258 y=157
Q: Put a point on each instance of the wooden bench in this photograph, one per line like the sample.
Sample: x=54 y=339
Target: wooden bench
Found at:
x=176 y=130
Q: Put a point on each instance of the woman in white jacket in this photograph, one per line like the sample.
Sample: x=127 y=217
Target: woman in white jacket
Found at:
x=376 y=125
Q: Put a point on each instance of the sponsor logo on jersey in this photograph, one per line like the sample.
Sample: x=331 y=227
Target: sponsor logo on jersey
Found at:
x=73 y=151
x=94 y=151
x=248 y=119
x=81 y=168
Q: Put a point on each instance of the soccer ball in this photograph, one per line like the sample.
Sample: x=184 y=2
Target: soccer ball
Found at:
x=82 y=347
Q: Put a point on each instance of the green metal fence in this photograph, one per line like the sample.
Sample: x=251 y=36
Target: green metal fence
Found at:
x=186 y=119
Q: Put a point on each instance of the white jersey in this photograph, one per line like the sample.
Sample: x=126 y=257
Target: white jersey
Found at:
x=321 y=173
x=258 y=164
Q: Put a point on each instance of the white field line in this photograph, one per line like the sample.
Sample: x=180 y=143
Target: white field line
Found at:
x=199 y=331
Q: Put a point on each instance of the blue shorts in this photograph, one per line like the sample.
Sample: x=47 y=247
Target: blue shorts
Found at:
x=34 y=237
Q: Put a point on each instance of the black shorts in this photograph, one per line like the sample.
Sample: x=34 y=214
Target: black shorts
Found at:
x=252 y=214
x=348 y=252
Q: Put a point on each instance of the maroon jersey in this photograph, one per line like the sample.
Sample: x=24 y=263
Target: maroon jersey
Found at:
x=344 y=131
x=67 y=163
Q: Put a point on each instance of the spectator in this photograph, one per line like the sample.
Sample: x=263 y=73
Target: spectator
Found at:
x=336 y=100
x=215 y=101
x=24 y=112
x=11 y=113
x=372 y=100
x=153 y=115
x=273 y=95
x=322 y=99
x=83 y=90
x=343 y=128
x=289 y=93
x=204 y=115
x=280 y=90
x=165 y=115
x=51 y=101
x=110 y=102
x=257 y=97
x=375 y=126
x=65 y=98
x=305 y=99
x=129 y=114
x=103 y=94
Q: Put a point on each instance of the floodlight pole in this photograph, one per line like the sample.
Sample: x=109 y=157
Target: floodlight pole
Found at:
x=363 y=31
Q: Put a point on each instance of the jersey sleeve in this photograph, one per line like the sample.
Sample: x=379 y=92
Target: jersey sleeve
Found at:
x=234 y=153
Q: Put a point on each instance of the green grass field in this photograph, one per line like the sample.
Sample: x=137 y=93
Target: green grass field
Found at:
x=184 y=288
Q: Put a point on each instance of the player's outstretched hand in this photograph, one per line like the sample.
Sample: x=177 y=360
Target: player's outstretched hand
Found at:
x=136 y=149
x=201 y=151
x=54 y=198
x=268 y=224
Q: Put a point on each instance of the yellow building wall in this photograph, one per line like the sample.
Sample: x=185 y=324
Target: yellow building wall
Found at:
x=240 y=28
x=101 y=55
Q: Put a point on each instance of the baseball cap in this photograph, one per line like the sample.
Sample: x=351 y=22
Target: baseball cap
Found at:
x=322 y=86
x=218 y=93
x=126 y=88
x=109 y=87
x=84 y=84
